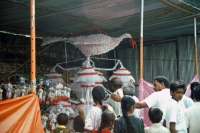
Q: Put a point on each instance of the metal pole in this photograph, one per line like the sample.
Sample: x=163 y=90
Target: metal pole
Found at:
x=67 y=80
x=195 y=48
x=141 y=39
x=33 y=51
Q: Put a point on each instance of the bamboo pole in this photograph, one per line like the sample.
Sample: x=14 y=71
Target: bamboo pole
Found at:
x=33 y=51
x=67 y=80
x=195 y=48
x=141 y=39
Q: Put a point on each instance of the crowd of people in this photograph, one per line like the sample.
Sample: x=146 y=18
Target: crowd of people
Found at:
x=169 y=110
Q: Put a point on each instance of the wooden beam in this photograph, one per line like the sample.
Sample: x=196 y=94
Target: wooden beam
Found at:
x=169 y=3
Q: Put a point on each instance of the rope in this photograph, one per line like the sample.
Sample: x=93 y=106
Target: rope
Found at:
x=36 y=55
x=93 y=65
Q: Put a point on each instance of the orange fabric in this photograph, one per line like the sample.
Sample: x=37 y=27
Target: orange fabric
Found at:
x=21 y=115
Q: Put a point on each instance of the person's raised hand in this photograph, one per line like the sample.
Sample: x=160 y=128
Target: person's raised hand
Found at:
x=80 y=111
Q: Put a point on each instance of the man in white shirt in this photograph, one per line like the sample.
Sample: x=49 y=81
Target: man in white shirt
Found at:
x=188 y=102
x=115 y=87
x=160 y=98
x=192 y=114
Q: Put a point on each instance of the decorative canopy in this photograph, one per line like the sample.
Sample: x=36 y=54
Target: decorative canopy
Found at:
x=87 y=73
x=124 y=74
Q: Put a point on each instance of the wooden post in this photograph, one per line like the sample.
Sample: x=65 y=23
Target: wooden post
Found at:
x=141 y=39
x=195 y=49
x=33 y=51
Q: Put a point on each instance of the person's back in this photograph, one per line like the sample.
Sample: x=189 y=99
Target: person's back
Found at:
x=128 y=123
x=192 y=114
x=93 y=119
x=62 y=120
x=155 y=116
x=135 y=121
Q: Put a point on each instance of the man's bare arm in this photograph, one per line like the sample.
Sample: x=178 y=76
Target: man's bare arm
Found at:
x=172 y=127
x=140 y=105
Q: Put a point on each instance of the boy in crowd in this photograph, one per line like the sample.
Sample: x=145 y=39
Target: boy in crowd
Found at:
x=62 y=120
x=174 y=119
x=155 y=116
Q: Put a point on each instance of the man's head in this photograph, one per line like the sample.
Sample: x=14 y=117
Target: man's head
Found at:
x=129 y=89
x=115 y=83
x=177 y=89
x=160 y=83
x=196 y=93
x=155 y=115
x=193 y=84
x=62 y=119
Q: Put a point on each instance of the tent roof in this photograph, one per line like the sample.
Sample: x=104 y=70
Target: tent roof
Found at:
x=162 y=19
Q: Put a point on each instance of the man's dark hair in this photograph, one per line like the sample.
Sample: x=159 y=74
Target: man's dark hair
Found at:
x=62 y=119
x=196 y=92
x=155 y=115
x=177 y=84
x=163 y=79
x=193 y=84
x=116 y=82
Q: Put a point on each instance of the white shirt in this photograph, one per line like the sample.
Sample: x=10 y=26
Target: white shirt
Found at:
x=159 y=99
x=188 y=102
x=136 y=111
x=192 y=118
x=156 y=128
x=117 y=105
x=175 y=114
x=93 y=118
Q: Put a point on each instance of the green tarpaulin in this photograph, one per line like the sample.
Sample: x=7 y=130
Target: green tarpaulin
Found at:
x=193 y=3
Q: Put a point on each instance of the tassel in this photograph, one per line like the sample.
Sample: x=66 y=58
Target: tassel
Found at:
x=133 y=43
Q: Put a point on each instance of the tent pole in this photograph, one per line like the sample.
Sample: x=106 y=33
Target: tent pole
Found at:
x=33 y=51
x=195 y=48
x=67 y=80
x=141 y=39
